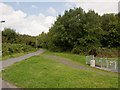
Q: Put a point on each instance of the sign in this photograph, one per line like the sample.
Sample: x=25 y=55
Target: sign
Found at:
x=111 y=62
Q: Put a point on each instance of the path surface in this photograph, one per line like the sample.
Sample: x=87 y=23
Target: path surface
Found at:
x=71 y=64
x=11 y=61
x=64 y=61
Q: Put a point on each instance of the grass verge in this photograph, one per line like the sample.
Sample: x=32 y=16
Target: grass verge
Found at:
x=77 y=59
x=40 y=72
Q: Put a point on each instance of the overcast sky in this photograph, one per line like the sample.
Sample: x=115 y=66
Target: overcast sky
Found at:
x=35 y=17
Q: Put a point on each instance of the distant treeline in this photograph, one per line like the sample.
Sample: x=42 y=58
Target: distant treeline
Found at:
x=11 y=36
x=13 y=42
x=80 y=32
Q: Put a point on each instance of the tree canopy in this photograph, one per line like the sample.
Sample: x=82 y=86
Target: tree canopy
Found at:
x=78 y=31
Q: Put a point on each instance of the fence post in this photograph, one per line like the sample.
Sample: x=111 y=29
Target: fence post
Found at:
x=101 y=62
x=115 y=65
x=107 y=63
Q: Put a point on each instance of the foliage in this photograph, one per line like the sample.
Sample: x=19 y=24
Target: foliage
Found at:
x=81 y=32
x=8 y=49
x=13 y=42
x=11 y=36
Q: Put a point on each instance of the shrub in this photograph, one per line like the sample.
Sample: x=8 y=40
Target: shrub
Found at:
x=8 y=49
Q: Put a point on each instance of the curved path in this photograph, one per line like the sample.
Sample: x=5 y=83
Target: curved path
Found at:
x=72 y=64
x=11 y=61
x=64 y=61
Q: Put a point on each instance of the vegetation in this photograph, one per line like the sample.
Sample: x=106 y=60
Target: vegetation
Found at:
x=13 y=55
x=76 y=31
x=9 y=49
x=40 y=72
x=16 y=44
x=11 y=36
x=78 y=59
x=80 y=32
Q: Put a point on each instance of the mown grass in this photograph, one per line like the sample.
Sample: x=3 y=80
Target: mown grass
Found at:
x=40 y=72
x=77 y=59
x=16 y=55
x=74 y=57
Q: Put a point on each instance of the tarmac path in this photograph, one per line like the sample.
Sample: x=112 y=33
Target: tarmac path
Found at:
x=11 y=61
x=64 y=61
x=71 y=64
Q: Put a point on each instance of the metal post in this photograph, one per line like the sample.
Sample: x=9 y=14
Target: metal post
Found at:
x=101 y=62
x=115 y=65
x=1 y=39
x=107 y=63
x=0 y=44
x=1 y=52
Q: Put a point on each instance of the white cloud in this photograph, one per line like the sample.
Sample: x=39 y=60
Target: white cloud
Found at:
x=17 y=3
x=32 y=25
x=51 y=10
x=99 y=6
x=91 y=1
x=69 y=5
x=33 y=6
x=59 y=0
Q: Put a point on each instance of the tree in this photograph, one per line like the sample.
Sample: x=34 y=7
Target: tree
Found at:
x=79 y=32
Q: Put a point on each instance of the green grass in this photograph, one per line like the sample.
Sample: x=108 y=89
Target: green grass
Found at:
x=16 y=55
x=40 y=72
x=74 y=57
x=77 y=59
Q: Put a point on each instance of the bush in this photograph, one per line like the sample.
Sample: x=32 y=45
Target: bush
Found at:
x=8 y=49
x=78 y=50
x=75 y=51
x=107 y=52
x=93 y=51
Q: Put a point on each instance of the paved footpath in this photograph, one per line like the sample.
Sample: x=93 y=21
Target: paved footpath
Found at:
x=71 y=64
x=64 y=61
x=11 y=61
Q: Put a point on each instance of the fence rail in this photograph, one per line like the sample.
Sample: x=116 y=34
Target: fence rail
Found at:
x=104 y=63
